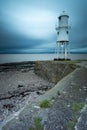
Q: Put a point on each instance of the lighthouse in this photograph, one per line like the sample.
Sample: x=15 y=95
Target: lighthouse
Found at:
x=63 y=46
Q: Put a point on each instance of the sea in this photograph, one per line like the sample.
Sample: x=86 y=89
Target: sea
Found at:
x=10 y=58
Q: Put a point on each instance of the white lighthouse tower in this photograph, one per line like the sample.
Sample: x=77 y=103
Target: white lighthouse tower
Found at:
x=63 y=49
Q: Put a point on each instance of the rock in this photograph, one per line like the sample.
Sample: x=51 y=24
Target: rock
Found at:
x=8 y=106
x=40 y=92
x=20 y=85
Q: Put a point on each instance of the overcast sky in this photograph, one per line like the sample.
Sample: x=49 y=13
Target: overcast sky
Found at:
x=28 y=26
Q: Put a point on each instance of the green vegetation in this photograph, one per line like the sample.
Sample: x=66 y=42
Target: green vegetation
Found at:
x=73 y=61
x=31 y=128
x=71 y=125
x=77 y=106
x=37 y=123
x=68 y=61
x=45 y=104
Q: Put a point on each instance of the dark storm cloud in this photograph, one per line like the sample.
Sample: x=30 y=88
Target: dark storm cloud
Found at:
x=15 y=43
x=9 y=40
x=30 y=24
x=78 y=32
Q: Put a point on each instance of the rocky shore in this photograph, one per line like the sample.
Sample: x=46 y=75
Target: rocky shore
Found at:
x=18 y=86
x=68 y=99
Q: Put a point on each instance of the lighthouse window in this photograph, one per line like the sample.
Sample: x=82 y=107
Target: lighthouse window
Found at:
x=67 y=32
x=58 y=33
x=59 y=18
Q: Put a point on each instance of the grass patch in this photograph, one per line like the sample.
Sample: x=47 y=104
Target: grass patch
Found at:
x=31 y=128
x=73 y=61
x=37 y=123
x=71 y=125
x=45 y=104
x=77 y=106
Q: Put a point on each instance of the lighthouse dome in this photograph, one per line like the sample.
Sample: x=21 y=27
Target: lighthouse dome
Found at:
x=64 y=14
x=63 y=19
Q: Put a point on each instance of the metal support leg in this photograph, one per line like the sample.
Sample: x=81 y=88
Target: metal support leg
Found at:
x=65 y=50
x=58 y=50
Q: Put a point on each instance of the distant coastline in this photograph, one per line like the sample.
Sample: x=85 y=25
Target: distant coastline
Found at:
x=10 y=58
x=51 y=52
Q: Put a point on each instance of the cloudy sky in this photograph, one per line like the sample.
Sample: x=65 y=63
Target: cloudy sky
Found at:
x=28 y=26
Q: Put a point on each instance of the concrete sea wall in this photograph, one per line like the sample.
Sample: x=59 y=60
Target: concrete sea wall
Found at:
x=53 y=70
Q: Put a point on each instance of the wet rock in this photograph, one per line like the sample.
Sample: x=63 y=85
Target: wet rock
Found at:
x=20 y=85
x=40 y=92
x=8 y=106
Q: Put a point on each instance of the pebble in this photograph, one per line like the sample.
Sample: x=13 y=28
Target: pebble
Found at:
x=37 y=107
